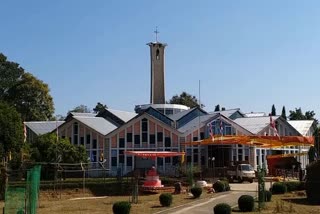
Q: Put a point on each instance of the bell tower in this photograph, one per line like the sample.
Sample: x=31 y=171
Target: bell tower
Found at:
x=157 y=93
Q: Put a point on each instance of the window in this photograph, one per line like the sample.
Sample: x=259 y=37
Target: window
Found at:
x=121 y=142
x=94 y=143
x=201 y=135
x=93 y=156
x=144 y=130
x=75 y=133
x=114 y=153
x=129 y=161
x=228 y=130
x=88 y=139
x=188 y=159
x=144 y=125
x=129 y=137
x=157 y=54
x=75 y=139
x=75 y=128
x=195 y=157
x=167 y=142
x=136 y=139
x=160 y=136
x=175 y=160
x=195 y=138
x=121 y=159
x=144 y=137
x=152 y=139
x=82 y=140
x=160 y=161
x=167 y=160
x=169 y=111
x=114 y=161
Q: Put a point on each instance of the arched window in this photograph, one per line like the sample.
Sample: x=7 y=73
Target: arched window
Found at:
x=157 y=54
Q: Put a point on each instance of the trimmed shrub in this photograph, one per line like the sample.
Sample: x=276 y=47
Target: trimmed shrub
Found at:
x=218 y=186
x=196 y=191
x=121 y=207
x=267 y=196
x=279 y=188
x=294 y=185
x=165 y=199
x=222 y=208
x=226 y=185
x=246 y=203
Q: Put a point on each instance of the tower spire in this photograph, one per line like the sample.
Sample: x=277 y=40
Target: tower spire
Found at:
x=156 y=32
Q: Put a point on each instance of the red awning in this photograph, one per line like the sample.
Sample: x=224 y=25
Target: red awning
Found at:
x=153 y=154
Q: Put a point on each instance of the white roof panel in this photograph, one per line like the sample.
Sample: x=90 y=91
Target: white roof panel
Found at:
x=123 y=115
x=255 y=124
x=302 y=126
x=99 y=124
x=43 y=127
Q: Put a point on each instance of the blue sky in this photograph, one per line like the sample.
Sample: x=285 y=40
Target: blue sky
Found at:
x=247 y=54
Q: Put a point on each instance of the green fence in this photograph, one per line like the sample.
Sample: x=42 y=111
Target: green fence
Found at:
x=15 y=200
x=24 y=200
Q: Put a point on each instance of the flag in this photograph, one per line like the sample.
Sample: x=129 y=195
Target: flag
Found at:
x=24 y=132
x=273 y=126
x=221 y=127
x=211 y=132
x=182 y=158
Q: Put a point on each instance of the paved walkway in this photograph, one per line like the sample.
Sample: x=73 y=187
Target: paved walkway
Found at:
x=205 y=206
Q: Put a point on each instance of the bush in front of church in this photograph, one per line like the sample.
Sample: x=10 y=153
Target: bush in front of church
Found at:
x=165 y=199
x=196 y=191
x=222 y=208
x=121 y=207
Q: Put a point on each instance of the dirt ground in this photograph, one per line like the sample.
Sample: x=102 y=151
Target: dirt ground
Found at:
x=76 y=202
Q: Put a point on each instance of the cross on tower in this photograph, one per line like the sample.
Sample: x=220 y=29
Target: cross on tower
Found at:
x=156 y=32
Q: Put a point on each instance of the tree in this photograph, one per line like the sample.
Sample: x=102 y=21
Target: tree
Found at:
x=296 y=114
x=273 y=111
x=81 y=109
x=185 y=99
x=11 y=134
x=25 y=92
x=217 y=108
x=58 y=117
x=31 y=98
x=10 y=72
x=311 y=154
x=48 y=149
x=99 y=108
x=283 y=113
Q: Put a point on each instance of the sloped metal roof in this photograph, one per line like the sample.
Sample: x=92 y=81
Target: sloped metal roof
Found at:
x=43 y=127
x=123 y=115
x=179 y=115
x=227 y=113
x=196 y=122
x=255 y=124
x=99 y=124
x=255 y=114
x=302 y=126
x=83 y=114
